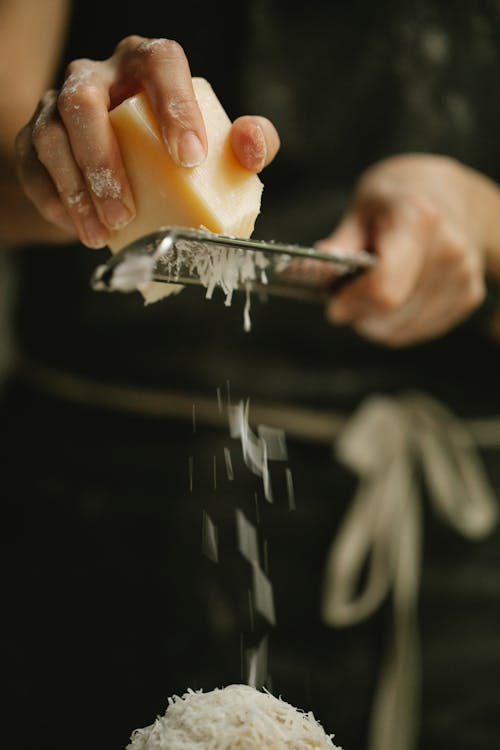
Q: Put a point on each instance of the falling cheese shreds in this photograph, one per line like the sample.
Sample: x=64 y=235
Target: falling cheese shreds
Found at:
x=251 y=614
x=237 y=717
x=252 y=446
x=247 y=321
x=191 y=470
x=229 y=464
x=247 y=538
x=290 y=489
x=266 y=477
x=263 y=594
x=209 y=538
x=257 y=664
x=236 y=419
x=275 y=441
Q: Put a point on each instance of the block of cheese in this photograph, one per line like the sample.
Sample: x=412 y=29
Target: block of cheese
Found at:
x=220 y=194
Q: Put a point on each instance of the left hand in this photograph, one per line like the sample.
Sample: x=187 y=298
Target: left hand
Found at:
x=419 y=214
x=68 y=159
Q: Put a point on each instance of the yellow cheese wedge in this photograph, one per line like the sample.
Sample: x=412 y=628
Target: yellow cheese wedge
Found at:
x=220 y=194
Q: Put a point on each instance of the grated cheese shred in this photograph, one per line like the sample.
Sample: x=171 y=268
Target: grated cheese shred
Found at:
x=237 y=717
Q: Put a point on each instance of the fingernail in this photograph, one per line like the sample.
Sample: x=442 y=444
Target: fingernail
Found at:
x=96 y=234
x=116 y=214
x=252 y=149
x=258 y=148
x=190 y=150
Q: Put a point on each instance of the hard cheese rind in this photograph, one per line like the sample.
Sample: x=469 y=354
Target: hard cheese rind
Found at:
x=220 y=194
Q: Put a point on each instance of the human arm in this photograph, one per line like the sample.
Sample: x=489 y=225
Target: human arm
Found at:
x=69 y=162
x=434 y=224
x=31 y=38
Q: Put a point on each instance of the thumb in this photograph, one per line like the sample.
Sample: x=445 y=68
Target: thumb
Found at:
x=255 y=141
x=349 y=236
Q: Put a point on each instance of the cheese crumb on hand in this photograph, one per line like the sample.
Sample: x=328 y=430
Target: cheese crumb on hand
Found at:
x=237 y=717
x=219 y=194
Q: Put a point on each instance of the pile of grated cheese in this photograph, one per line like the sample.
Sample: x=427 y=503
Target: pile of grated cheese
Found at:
x=237 y=717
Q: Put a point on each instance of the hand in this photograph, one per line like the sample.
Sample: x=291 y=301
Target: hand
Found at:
x=424 y=218
x=68 y=159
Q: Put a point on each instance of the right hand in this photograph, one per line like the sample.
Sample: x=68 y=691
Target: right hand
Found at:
x=426 y=218
x=68 y=159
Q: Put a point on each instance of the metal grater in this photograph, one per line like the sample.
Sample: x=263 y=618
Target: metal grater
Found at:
x=183 y=256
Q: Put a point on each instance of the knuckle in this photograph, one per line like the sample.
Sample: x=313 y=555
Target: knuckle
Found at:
x=154 y=50
x=182 y=109
x=46 y=136
x=129 y=43
x=45 y=114
x=77 y=67
x=78 y=93
x=78 y=202
x=170 y=48
x=47 y=102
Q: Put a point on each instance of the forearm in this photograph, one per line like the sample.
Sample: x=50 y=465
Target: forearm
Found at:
x=32 y=34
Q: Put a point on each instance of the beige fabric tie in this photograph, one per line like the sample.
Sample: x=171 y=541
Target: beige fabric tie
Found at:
x=385 y=442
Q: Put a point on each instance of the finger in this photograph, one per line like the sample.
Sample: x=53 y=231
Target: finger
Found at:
x=38 y=186
x=163 y=69
x=401 y=240
x=53 y=150
x=451 y=288
x=255 y=142
x=399 y=328
x=83 y=106
x=410 y=326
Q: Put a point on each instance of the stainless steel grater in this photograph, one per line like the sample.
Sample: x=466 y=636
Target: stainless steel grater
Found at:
x=183 y=256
